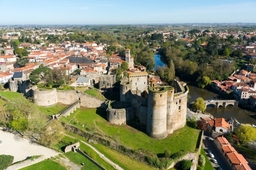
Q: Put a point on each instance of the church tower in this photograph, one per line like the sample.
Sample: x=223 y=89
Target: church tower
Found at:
x=129 y=59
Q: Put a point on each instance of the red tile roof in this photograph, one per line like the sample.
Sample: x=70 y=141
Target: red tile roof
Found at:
x=221 y=122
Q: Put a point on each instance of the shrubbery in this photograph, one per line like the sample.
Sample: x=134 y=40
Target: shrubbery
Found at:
x=201 y=160
x=5 y=161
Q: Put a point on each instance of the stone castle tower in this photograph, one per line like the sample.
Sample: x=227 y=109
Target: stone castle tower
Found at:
x=129 y=59
x=160 y=110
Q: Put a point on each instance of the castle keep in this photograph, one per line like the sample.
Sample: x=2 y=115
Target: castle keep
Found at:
x=159 y=109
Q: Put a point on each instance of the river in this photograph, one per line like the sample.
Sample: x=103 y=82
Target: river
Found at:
x=243 y=116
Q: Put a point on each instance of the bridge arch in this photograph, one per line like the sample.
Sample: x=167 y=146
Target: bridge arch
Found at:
x=211 y=105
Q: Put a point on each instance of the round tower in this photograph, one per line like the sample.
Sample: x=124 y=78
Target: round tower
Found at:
x=124 y=88
x=157 y=113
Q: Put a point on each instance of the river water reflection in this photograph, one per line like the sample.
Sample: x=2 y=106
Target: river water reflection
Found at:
x=243 y=116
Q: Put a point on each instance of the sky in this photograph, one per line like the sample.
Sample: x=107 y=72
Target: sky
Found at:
x=90 y=12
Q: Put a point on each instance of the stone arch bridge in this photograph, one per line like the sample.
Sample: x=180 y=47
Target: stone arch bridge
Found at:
x=221 y=103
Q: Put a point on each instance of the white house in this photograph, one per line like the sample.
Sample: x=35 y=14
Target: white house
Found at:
x=83 y=81
x=221 y=125
x=7 y=58
x=5 y=76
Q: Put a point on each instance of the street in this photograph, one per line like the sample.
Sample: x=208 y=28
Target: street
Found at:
x=209 y=145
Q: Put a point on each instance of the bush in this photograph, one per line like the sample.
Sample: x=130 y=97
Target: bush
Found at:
x=185 y=164
x=167 y=154
x=177 y=155
x=5 y=161
x=200 y=168
x=201 y=160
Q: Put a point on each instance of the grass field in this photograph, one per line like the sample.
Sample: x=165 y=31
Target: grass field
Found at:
x=77 y=158
x=184 y=139
x=95 y=93
x=208 y=165
x=45 y=165
x=52 y=109
x=67 y=140
x=121 y=159
x=10 y=95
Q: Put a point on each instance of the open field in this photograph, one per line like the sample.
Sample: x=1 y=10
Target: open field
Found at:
x=184 y=139
x=10 y=95
x=52 y=109
x=44 y=165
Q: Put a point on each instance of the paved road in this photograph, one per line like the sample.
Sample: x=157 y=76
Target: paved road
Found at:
x=207 y=144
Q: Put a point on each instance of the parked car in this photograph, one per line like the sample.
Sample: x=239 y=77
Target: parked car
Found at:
x=211 y=155
x=214 y=161
x=209 y=138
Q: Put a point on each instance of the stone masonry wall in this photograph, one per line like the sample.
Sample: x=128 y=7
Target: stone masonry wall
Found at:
x=45 y=97
x=67 y=96
x=90 y=101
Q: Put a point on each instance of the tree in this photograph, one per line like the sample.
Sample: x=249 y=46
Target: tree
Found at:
x=124 y=66
x=19 y=121
x=199 y=104
x=20 y=52
x=25 y=116
x=52 y=134
x=246 y=133
x=226 y=51
x=204 y=81
x=39 y=74
x=22 y=61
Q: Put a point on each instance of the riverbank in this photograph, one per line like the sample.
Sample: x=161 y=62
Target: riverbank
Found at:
x=240 y=114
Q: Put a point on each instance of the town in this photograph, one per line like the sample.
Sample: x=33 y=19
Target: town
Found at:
x=71 y=77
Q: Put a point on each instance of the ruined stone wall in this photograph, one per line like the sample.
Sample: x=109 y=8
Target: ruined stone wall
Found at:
x=157 y=113
x=116 y=116
x=67 y=96
x=125 y=87
x=90 y=101
x=143 y=116
x=13 y=85
x=177 y=115
x=51 y=97
x=107 y=81
x=45 y=97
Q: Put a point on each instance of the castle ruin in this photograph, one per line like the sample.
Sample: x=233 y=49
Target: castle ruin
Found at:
x=159 y=109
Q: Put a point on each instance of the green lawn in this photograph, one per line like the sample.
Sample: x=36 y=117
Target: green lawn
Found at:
x=52 y=109
x=11 y=95
x=2 y=103
x=121 y=159
x=45 y=165
x=208 y=165
x=94 y=92
x=183 y=139
x=77 y=158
